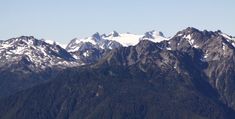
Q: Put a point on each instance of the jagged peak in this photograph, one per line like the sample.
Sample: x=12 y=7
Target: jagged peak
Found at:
x=189 y=30
x=192 y=29
x=113 y=34
x=30 y=42
x=103 y=35
x=26 y=37
x=96 y=36
x=157 y=33
x=23 y=38
x=153 y=33
x=160 y=34
x=51 y=42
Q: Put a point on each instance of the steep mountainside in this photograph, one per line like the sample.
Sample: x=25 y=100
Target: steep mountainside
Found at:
x=26 y=61
x=190 y=76
x=217 y=50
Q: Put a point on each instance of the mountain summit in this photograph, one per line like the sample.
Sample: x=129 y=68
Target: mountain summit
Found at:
x=33 y=53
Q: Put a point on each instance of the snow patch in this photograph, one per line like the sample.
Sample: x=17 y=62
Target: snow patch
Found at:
x=180 y=34
x=126 y=39
x=188 y=37
x=205 y=56
x=19 y=50
x=224 y=46
x=175 y=66
x=168 y=48
x=86 y=54
x=226 y=36
x=190 y=40
x=50 y=42
x=195 y=46
x=76 y=57
x=233 y=44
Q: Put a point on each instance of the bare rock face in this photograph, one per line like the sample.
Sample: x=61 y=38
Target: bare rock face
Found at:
x=216 y=50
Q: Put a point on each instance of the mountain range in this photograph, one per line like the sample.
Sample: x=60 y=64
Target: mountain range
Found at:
x=120 y=75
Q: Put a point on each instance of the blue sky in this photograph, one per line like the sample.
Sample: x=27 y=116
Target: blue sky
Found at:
x=63 y=20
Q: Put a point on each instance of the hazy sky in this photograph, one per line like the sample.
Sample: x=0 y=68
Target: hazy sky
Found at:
x=62 y=20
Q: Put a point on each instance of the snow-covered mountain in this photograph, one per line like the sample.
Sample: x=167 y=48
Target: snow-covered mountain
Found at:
x=114 y=40
x=194 y=38
x=95 y=41
x=33 y=54
x=191 y=75
x=35 y=58
x=128 y=39
x=40 y=54
x=90 y=49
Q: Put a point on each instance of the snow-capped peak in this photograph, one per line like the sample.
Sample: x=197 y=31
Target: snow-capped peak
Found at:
x=113 y=34
x=98 y=44
x=95 y=41
x=49 y=41
x=154 y=33
x=125 y=39
x=38 y=53
x=55 y=43
x=96 y=37
x=154 y=36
